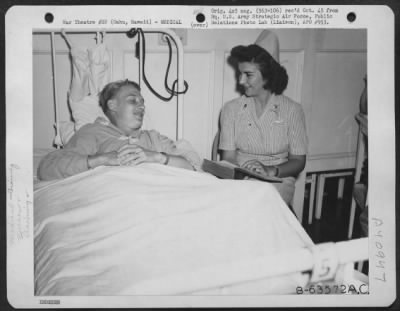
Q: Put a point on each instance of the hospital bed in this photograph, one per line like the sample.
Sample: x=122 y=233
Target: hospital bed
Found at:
x=160 y=230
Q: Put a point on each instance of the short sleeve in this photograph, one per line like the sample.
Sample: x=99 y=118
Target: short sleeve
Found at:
x=298 y=141
x=227 y=134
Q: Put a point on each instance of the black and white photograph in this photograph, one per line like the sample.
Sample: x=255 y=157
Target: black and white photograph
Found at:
x=172 y=158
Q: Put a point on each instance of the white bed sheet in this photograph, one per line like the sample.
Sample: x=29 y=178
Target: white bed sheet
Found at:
x=134 y=230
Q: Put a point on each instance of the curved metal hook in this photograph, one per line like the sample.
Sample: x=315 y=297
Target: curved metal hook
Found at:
x=64 y=35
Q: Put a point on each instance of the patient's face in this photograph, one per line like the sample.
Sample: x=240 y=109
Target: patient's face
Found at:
x=130 y=108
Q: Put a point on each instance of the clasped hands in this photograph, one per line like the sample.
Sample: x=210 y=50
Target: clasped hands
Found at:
x=132 y=154
x=259 y=168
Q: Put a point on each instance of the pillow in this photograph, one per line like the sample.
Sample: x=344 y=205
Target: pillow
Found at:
x=86 y=110
x=66 y=131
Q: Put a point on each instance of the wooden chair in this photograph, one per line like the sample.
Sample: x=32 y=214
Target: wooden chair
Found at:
x=320 y=186
x=214 y=150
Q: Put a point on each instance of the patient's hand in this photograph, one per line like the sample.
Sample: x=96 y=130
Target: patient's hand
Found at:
x=134 y=155
x=109 y=158
x=127 y=155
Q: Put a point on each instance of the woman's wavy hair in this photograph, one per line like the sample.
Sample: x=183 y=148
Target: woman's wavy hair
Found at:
x=274 y=74
x=111 y=90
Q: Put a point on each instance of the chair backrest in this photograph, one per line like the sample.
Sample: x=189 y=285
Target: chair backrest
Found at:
x=298 y=196
x=214 y=150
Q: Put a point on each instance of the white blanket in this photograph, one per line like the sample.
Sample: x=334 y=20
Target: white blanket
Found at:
x=134 y=230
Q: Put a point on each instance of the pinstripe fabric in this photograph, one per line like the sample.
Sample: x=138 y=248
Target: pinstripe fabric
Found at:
x=278 y=132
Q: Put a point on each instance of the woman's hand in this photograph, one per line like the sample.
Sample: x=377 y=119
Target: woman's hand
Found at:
x=259 y=168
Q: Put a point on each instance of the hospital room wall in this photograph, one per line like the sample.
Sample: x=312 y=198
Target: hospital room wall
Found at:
x=325 y=67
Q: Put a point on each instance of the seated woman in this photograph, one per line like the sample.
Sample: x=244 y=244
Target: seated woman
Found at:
x=263 y=130
x=117 y=140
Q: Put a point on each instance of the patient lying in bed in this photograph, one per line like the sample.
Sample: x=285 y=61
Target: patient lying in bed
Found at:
x=115 y=140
